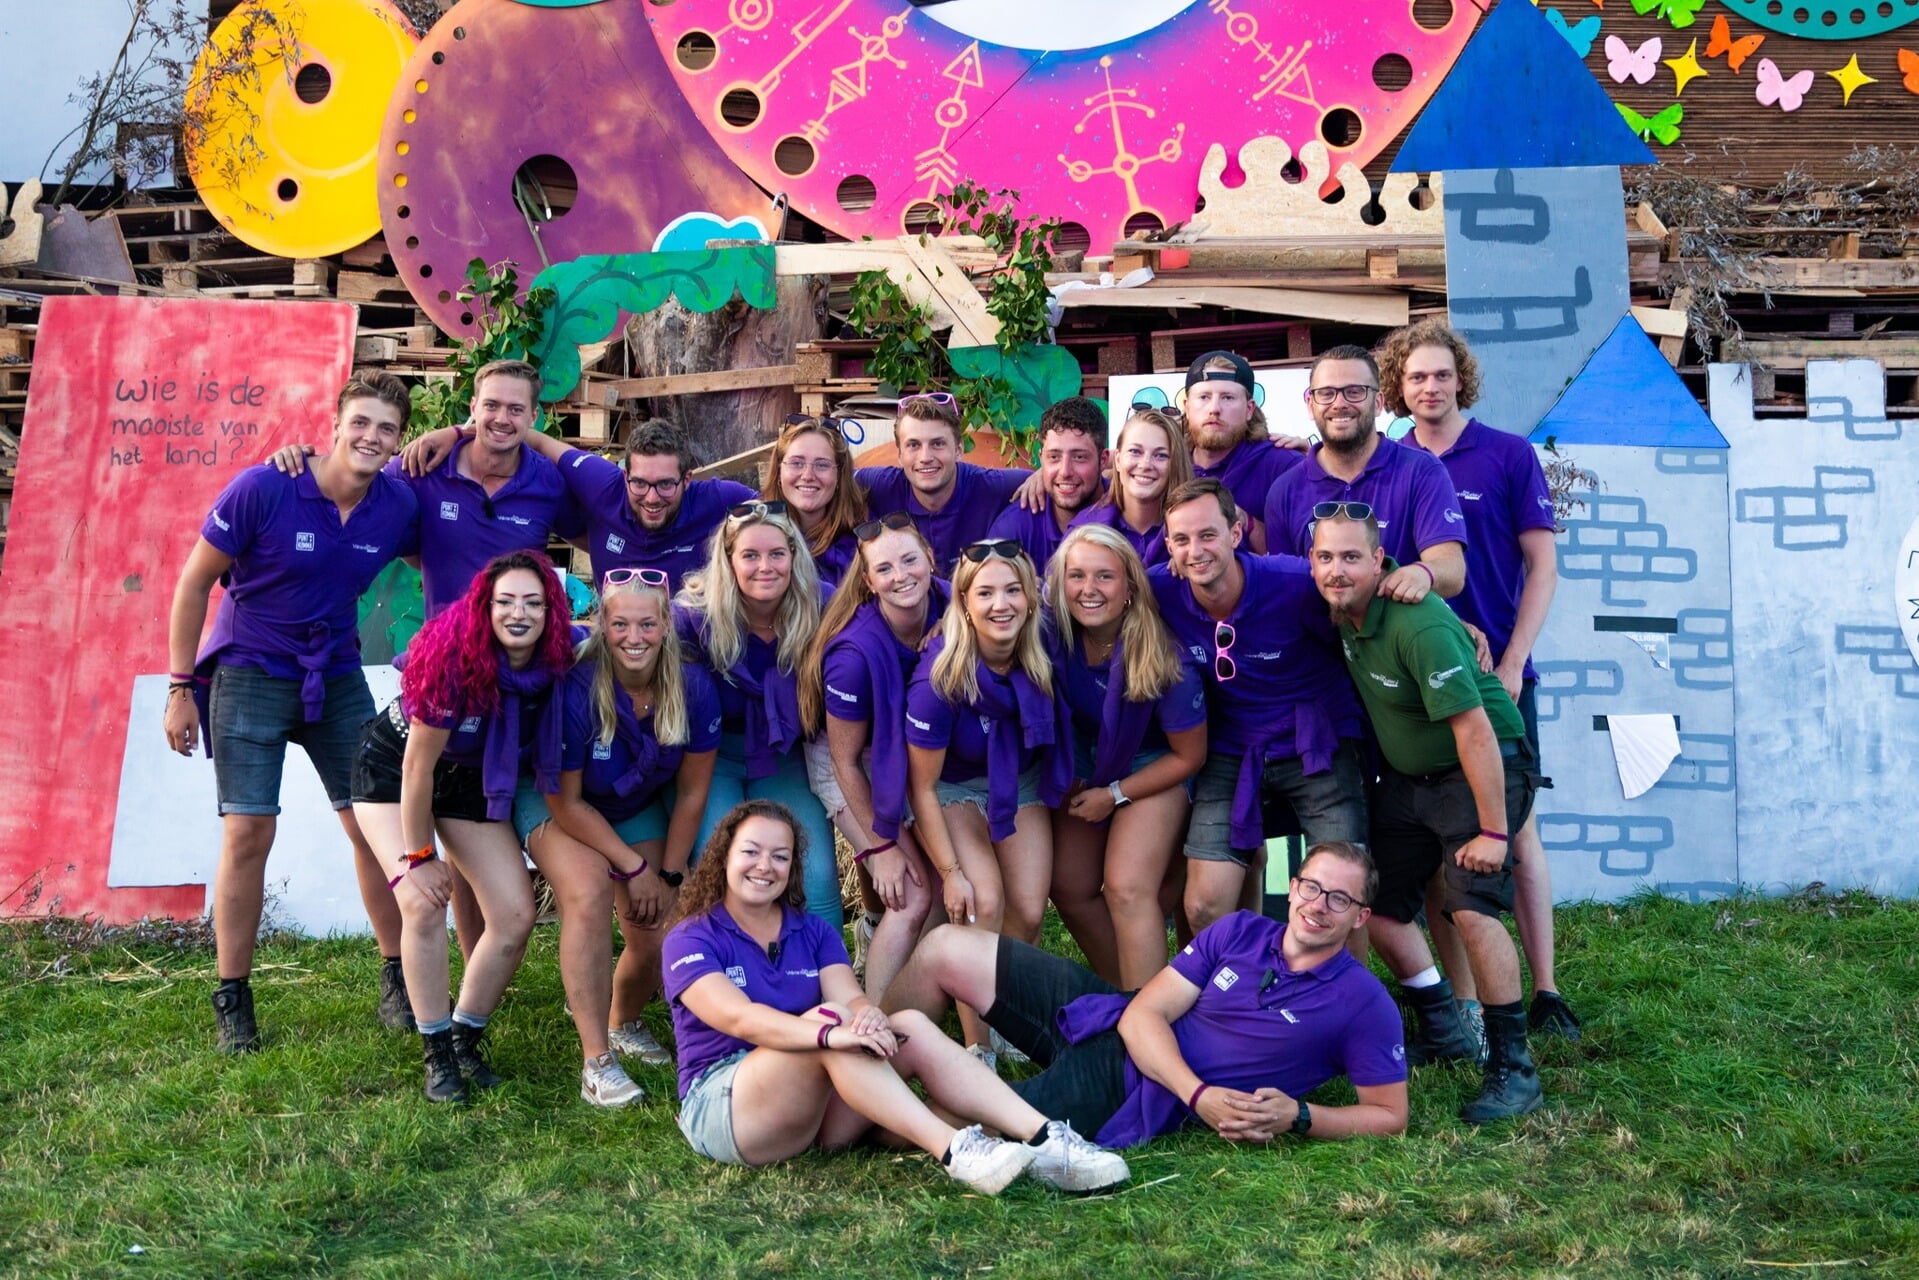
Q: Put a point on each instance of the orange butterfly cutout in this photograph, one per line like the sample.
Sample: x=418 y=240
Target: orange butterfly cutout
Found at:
x=1736 y=51
x=1909 y=63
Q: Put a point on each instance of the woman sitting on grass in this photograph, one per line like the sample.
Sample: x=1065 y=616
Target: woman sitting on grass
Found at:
x=780 y=1051
x=475 y=707
x=640 y=729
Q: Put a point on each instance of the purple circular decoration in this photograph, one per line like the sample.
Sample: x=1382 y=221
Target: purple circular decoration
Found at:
x=498 y=84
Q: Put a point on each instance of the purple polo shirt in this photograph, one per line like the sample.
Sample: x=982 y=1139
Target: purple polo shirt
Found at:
x=1256 y=1024
x=849 y=684
x=762 y=656
x=466 y=734
x=1502 y=490
x=292 y=599
x=979 y=496
x=616 y=539
x=1037 y=531
x=1250 y=473
x=1181 y=707
x=936 y=724
x=832 y=562
x=462 y=528
x=603 y=766
x=1408 y=489
x=1151 y=544
x=1284 y=652
x=714 y=943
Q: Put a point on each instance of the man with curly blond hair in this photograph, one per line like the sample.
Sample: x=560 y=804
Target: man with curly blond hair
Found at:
x=1427 y=373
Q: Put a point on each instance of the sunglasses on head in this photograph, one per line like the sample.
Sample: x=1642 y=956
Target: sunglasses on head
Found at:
x=645 y=577
x=871 y=529
x=810 y=419
x=1004 y=548
x=742 y=510
x=937 y=397
x=1345 y=510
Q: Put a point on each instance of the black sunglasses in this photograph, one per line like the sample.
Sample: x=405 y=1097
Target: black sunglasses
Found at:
x=871 y=529
x=740 y=510
x=1347 y=510
x=1004 y=548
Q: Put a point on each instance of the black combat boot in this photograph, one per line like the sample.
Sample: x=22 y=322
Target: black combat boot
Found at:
x=473 y=1063
x=1511 y=1087
x=1442 y=1035
x=233 y=1012
x=443 y=1080
x=396 y=1010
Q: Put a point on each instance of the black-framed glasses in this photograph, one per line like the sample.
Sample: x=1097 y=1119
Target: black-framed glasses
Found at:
x=1358 y=393
x=1004 y=548
x=645 y=577
x=1224 y=637
x=1342 y=510
x=665 y=488
x=868 y=530
x=1312 y=891
x=769 y=507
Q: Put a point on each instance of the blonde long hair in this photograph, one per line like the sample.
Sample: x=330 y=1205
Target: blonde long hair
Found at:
x=714 y=594
x=670 y=722
x=1152 y=660
x=1179 y=467
x=956 y=671
x=847 y=599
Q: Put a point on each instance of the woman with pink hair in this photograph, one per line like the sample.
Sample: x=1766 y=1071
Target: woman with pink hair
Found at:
x=475 y=707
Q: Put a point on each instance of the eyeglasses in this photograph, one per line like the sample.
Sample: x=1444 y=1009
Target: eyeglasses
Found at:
x=645 y=577
x=742 y=510
x=1224 y=638
x=665 y=488
x=1312 y=891
x=1342 y=510
x=1004 y=548
x=793 y=465
x=1358 y=393
x=872 y=529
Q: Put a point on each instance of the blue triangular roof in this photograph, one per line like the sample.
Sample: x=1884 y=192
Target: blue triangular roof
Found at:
x=1519 y=97
x=1628 y=394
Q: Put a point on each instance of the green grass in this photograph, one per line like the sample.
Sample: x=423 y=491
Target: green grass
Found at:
x=1745 y=1094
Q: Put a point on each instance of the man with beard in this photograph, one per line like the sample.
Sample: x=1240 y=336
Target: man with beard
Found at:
x=1072 y=453
x=1231 y=442
x=1457 y=779
x=953 y=503
x=1408 y=490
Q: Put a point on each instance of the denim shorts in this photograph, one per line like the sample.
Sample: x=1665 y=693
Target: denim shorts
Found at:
x=1324 y=806
x=252 y=718
x=706 y=1112
x=974 y=791
x=531 y=812
x=1082 y=1083
x=458 y=791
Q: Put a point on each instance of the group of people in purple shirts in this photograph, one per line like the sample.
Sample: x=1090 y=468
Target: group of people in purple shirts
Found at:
x=997 y=688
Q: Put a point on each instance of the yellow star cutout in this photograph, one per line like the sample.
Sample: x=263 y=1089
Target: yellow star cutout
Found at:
x=1850 y=77
x=1687 y=69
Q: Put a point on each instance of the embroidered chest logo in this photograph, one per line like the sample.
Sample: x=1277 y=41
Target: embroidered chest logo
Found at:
x=303 y=541
x=449 y=511
x=1388 y=681
x=367 y=547
x=602 y=751
x=1468 y=495
x=615 y=543
x=1225 y=978
x=470 y=725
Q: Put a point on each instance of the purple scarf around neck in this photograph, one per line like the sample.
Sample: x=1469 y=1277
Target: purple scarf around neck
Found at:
x=1022 y=718
x=644 y=745
x=500 y=754
x=869 y=636
x=1123 y=723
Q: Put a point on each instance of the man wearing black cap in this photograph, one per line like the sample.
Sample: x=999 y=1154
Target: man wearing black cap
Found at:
x=1230 y=439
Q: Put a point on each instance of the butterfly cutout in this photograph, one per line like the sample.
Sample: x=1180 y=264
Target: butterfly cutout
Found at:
x=1681 y=13
x=1909 y=63
x=1580 y=35
x=1789 y=94
x=1623 y=62
x=1736 y=51
x=1664 y=127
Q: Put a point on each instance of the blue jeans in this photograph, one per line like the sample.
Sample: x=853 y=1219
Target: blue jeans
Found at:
x=791 y=788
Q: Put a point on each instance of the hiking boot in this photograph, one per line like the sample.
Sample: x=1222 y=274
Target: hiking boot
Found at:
x=986 y=1164
x=633 y=1040
x=1552 y=1016
x=233 y=1014
x=862 y=939
x=1441 y=1034
x=443 y=1080
x=1069 y=1162
x=472 y=1061
x=396 y=1011
x=1473 y=1014
x=1511 y=1087
x=604 y=1084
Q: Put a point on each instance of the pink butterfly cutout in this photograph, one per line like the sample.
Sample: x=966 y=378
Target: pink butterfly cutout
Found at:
x=1625 y=63
x=1789 y=94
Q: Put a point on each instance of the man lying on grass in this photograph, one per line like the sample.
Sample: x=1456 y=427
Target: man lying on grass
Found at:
x=1248 y=1019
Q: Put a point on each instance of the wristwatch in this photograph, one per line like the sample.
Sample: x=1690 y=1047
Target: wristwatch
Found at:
x=671 y=879
x=1303 y=1122
x=1120 y=800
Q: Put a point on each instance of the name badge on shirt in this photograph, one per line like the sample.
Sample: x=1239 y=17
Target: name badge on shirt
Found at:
x=1225 y=978
x=449 y=511
x=602 y=751
x=470 y=725
x=615 y=543
x=737 y=974
x=303 y=541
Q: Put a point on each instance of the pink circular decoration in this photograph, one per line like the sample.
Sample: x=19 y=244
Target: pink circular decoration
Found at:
x=496 y=84
x=863 y=111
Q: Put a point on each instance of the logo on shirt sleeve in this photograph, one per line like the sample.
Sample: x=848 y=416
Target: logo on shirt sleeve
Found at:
x=697 y=955
x=303 y=541
x=921 y=725
x=1225 y=978
x=1453 y=516
x=1438 y=679
x=841 y=694
x=1544 y=502
x=449 y=511
x=737 y=974
x=214 y=515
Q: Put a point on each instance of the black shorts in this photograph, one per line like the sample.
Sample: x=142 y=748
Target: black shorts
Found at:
x=1529 y=712
x=1084 y=1083
x=1419 y=822
x=457 y=789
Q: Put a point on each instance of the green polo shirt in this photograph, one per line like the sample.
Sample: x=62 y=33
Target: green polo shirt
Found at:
x=1414 y=667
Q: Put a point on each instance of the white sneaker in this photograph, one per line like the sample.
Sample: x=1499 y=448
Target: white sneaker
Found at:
x=633 y=1040
x=985 y=1055
x=605 y=1084
x=862 y=939
x=1003 y=1048
x=986 y=1164
x=1071 y=1163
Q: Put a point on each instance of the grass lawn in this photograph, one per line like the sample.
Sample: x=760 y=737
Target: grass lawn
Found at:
x=1743 y=1104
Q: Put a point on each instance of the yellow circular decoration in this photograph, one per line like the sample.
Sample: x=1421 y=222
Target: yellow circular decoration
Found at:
x=284 y=111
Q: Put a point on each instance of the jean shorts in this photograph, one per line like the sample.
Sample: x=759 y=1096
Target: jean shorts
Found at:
x=974 y=791
x=458 y=789
x=531 y=812
x=1325 y=806
x=252 y=718
x=706 y=1112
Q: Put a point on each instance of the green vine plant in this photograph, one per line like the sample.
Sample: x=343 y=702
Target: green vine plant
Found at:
x=509 y=328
